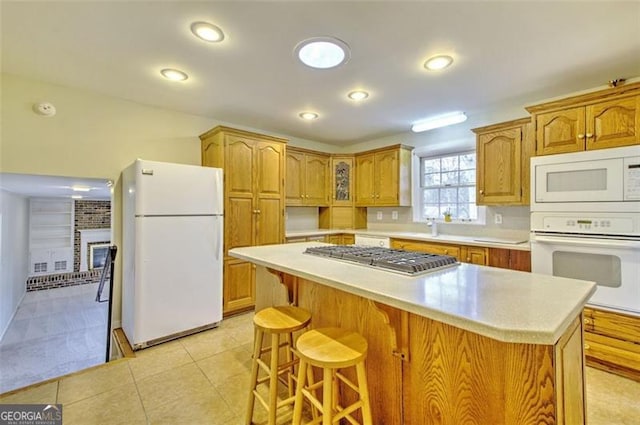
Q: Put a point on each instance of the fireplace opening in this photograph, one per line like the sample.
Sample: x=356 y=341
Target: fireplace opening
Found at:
x=98 y=255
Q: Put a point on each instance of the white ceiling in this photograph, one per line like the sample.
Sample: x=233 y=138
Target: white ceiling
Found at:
x=33 y=186
x=507 y=54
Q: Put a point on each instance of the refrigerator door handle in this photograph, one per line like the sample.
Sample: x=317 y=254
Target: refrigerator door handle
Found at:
x=218 y=242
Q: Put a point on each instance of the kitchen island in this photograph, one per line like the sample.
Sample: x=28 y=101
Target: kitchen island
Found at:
x=464 y=345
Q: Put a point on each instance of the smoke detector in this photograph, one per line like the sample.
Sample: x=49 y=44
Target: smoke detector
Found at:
x=44 y=108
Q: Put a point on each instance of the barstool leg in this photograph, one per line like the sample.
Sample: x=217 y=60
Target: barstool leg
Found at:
x=289 y=360
x=327 y=396
x=310 y=381
x=254 y=374
x=364 y=393
x=297 y=405
x=273 y=379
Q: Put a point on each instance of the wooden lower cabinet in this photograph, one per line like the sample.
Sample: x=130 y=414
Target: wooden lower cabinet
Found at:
x=342 y=239
x=464 y=253
x=509 y=259
x=474 y=255
x=239 y=291
x=428 y=247
x=424 y=372
x=612 y=342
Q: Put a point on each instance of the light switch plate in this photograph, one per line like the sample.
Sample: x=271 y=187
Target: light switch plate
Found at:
x=497 y=219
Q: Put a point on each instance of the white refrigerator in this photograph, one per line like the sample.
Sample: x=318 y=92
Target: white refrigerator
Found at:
x=172 y=250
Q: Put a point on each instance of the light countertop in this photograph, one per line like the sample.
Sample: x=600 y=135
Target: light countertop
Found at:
x=502 y=304
x=491 y=242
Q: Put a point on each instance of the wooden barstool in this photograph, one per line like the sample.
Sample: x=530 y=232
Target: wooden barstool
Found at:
x=276 y=321
x=331 y=349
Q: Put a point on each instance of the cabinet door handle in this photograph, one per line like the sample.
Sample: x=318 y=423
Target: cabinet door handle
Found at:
x=446 y=252
x=587 y=321
x=378 y=196
x=302 y=196
x=589 y=135
x=587 y=346
x=481 y=191
x=580 y=136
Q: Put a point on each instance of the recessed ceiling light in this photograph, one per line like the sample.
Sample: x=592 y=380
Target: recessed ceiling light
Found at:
x=322 y=52
x=174 y=74
x=207 y=32
x=438 y=62
x=439 y=121
x=308 y=115
x=358 y=95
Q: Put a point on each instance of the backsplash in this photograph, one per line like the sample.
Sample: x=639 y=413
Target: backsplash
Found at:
x=515 y=223
x=301 y=218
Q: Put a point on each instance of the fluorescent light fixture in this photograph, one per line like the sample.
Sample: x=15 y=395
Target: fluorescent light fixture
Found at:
x=322 y=52
x=439 y=121
x=76 y=196
x=438 y=62
x=81 y=188
x=174 y=74
x=358 y=95
x=207 y=32
x=309 y=116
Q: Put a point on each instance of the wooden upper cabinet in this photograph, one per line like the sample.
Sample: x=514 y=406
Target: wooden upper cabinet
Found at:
x=598 y=120
x=365 y=175
x=307 y=178
x=560 y=132
x=317 y=179
x=383 y=177
x=295 y=178
x=502 y=169
x=614 y=123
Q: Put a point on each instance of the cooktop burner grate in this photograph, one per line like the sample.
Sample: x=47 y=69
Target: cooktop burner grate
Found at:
x=407 y=262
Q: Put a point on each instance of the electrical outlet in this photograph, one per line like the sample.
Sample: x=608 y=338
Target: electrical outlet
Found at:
x=394 y=215
x=497 y=219
x=379 y=215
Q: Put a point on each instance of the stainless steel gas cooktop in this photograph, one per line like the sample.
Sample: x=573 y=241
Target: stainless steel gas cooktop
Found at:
x=406 y=262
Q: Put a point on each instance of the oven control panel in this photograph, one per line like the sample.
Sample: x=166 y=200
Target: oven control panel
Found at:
x=622 y=224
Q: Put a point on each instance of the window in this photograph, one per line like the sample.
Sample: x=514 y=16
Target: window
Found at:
x=448 y=183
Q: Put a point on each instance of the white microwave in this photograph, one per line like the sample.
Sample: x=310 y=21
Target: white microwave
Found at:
x=606 y=180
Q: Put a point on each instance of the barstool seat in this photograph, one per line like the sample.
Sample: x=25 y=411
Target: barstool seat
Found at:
x=331 y=349
x=276 y=321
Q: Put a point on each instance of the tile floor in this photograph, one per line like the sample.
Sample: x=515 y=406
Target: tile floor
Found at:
x=202 y=379
x=54 y=332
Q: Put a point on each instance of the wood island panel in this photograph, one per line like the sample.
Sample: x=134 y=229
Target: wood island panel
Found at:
x=421 y=371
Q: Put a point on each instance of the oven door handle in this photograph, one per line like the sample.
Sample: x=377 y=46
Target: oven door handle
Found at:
x=605 y=243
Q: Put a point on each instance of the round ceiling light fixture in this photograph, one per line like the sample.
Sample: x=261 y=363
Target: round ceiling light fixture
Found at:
x=358 y=95
x=439 y=62
x=309 y=116
x=322 y=52
x=174 y=74
x=207 y=32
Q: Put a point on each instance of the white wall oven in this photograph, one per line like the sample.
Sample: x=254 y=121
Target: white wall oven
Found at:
x=585 y=222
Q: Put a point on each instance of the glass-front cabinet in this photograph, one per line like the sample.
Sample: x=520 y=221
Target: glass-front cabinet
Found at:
x=342 y=180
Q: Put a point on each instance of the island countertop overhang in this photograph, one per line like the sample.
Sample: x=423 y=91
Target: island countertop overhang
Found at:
x=505 y=305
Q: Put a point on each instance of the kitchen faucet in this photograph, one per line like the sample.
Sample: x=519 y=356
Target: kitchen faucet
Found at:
x=434 y=227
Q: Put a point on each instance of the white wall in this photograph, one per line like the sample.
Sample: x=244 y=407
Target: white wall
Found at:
x=14 y=254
